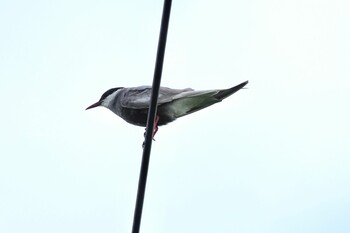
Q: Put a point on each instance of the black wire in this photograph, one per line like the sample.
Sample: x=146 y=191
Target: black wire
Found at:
x=151 y=116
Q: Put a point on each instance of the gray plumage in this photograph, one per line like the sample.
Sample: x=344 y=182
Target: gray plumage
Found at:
x=132 y=103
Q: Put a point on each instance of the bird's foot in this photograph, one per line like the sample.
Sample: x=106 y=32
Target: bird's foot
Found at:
x=155 y=130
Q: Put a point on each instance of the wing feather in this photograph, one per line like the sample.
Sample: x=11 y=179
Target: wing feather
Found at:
x=139 y=97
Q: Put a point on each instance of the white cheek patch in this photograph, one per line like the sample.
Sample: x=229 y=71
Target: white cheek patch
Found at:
x=109 y=99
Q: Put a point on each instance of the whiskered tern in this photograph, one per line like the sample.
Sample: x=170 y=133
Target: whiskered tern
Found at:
x=132 y=103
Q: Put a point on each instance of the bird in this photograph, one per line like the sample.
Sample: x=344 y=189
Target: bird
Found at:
x=132 y=103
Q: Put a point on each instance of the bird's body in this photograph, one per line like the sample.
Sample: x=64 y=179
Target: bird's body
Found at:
x=132 y=103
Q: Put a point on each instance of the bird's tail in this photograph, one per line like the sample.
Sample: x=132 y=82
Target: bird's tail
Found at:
x=193 y=101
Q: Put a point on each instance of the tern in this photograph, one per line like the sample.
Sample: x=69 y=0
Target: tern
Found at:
x=132 y=104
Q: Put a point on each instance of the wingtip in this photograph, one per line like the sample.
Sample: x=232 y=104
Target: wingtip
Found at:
x=242 y=84
x=227 y=92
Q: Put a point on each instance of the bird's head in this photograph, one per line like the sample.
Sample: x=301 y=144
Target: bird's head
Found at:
x=106 y=98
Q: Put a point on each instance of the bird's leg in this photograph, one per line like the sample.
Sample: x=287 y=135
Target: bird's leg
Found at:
x=155 y=130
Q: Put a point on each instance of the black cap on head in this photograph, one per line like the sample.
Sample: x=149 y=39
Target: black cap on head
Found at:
x=104 y=96
x=110 y=91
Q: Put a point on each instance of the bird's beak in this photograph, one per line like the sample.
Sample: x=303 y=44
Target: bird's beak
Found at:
x=94 y=105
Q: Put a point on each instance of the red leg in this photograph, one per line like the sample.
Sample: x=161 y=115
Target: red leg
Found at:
x=155 y=129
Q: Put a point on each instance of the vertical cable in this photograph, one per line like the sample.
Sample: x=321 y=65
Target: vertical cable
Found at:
x=151 y=116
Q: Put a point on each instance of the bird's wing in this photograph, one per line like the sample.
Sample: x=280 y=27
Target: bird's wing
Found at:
x=192 y=101
x=218 y=94
x=187 y=100
x=139 y=97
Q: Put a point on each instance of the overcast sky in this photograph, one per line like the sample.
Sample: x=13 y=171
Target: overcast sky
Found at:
x=273 y=158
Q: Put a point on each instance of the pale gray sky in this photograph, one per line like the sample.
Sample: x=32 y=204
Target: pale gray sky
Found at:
x=272 y=158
